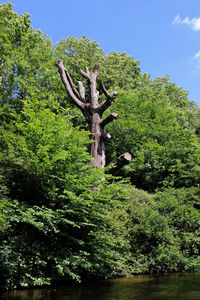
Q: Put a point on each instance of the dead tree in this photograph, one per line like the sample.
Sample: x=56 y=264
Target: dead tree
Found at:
x=92 y=110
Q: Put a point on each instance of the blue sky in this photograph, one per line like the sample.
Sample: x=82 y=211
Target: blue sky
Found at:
x=164 y=35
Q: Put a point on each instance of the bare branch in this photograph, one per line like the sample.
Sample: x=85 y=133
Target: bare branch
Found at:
x=67 y=85
x=72 y=84
x=81 y=91
x=87 y=71
x=85 y=74
x=109 y=119
x=105 y=104
x=109 y=96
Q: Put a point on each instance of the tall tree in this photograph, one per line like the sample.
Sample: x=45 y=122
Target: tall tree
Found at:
x=159 y=126
x=26 y=61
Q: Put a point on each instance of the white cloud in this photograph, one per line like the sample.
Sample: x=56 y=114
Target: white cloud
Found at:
x=197 y=55
x=194 y=23
x=196 y=61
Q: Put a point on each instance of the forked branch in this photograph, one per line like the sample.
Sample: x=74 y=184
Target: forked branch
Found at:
x=109 y=96
x=69 y=86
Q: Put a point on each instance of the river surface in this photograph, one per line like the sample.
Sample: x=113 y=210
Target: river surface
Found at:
x=167 y=287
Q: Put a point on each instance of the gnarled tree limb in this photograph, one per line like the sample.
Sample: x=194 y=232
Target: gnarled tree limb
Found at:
x=68 y=86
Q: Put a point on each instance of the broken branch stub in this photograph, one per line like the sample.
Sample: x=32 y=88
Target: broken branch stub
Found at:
x=122 y=160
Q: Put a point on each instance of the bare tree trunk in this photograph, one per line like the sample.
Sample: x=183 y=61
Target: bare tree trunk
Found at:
x=93 y=110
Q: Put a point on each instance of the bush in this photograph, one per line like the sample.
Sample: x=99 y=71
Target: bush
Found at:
x=57 y=226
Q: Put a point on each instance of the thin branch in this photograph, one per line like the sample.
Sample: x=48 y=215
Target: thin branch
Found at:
x=108 y=119
x=110 y=97
x=91 y=78
x=81 y=91
x=72 y=84
x=67 y=85
x=105 y=104
x=85 y=74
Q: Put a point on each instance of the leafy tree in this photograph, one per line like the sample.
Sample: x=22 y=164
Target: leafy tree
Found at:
x=160 y=135
x=117 y=70
x=27 y=60
x=165 y=231
x=56 y=226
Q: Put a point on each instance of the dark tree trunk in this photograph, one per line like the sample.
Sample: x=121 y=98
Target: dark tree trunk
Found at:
x=92 y=110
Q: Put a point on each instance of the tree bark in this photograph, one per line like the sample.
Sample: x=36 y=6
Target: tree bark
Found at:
x=92 y=110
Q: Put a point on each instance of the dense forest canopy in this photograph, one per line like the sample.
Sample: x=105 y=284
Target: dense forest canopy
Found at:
x=54 y=225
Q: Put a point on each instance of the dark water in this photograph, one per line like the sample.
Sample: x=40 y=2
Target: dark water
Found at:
x=169 y=287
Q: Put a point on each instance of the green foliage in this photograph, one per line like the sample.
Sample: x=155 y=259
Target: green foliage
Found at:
x=26 y=62
x=56 y=227
x=165 y=231
x=60 y=218
x=3 y=209
x=38 y=145
x=160 y=136
x=117 y=70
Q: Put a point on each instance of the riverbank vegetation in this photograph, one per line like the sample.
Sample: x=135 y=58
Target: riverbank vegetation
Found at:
x=62 y=219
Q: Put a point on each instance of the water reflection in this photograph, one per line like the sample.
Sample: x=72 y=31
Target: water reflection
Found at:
x=169 y=287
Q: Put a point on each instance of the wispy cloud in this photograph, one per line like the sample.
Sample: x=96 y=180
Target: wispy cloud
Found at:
x=197 y=55
x=194 y=23
x=196 y=59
